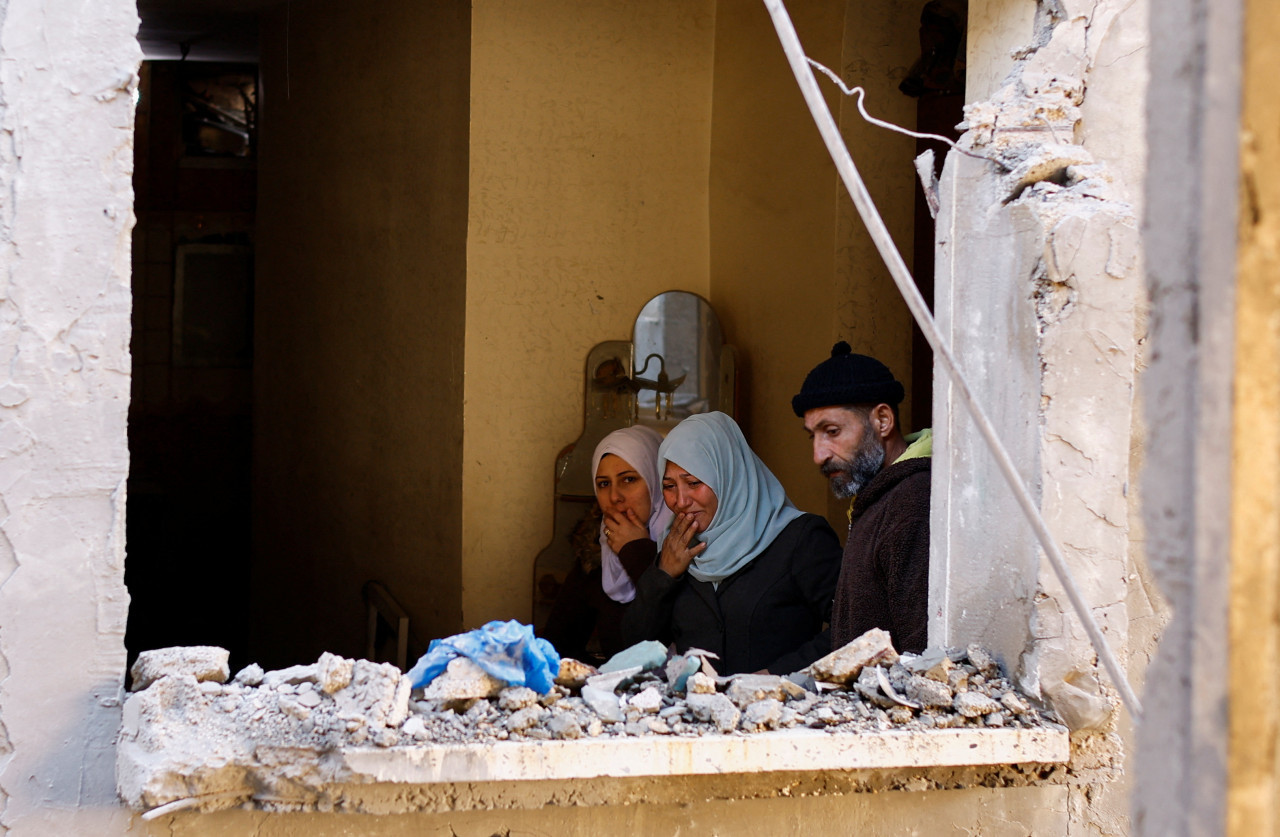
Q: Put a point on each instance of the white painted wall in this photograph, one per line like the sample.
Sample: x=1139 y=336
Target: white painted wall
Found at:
x=67 y=74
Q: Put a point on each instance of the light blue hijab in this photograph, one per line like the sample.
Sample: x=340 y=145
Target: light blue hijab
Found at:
x=752 y=509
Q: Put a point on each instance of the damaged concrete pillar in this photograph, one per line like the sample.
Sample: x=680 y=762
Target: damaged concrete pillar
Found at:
x=1037 y=288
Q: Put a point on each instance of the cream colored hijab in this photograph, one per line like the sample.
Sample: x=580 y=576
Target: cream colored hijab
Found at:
x=638 y=447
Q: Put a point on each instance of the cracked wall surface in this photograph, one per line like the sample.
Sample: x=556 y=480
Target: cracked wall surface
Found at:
x=1039 y=290
x=65 y=220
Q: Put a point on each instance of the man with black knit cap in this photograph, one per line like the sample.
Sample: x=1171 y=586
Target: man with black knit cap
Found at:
x=849 y=404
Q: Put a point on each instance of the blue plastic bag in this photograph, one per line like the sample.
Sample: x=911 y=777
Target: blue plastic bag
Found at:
x=507 y=650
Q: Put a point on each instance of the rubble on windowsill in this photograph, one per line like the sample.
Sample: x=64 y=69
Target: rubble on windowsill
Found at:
x=189 y=739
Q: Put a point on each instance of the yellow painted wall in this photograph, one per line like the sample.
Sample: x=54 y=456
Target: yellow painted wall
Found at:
x=590 y=132
x=773 y=202
x=1254 y=763
x=792 y=268
x=359 y=321
x=881 y=41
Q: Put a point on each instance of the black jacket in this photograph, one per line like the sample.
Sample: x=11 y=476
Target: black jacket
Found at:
x=769 y=614
x=884 y=581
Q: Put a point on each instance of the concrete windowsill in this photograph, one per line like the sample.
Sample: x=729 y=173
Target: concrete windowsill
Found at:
x=781 y=751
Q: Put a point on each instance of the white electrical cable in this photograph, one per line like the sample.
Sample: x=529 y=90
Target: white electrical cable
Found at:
x=920 y=311
x=889 y=126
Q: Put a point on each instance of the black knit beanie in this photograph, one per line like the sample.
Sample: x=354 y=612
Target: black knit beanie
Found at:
x=846 y=378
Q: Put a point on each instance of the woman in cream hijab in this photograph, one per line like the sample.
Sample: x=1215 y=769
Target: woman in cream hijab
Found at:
x=629 y=492
x=742 y=571
x=585 y=622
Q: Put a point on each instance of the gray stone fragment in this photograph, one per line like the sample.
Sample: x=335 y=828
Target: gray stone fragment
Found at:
x=982 y=660
x=975 y=704
x=647 y=702
x=523 y=719
x=958 y=679
x=564 y=725
x=930 y=694
x=551 y=698
x=763 y=714
x=516 y=697
x=310 y=698
x=289 y=676
x=746 y=689
x=657 y=726
x=868 y=685
x=843 y=665
x=887 y=688
x=603 y=702
x=995 y=719
x=716 y=709
x=1015 y=703
x=415 y=728
x=921 y=663
x=609 y=681
x=203 y=662
x=250 y=675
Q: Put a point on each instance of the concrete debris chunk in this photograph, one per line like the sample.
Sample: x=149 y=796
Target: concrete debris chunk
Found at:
x=463 y=679
x=843 y=665
x=604 y=703
x=716 y=709
x=564 y=726
x=868 y=685
x=290 y=676
x=573 y=673
x=982 y=660
x=762 y=714
x=516 y=697
x=701 y=684
x=887 y=688
x=610 y=681
x=929 y=694
x=250 y=675
x=974 y=704
x=378 y=691
x=647 y=702
x=203 y=662
x=745 y=689
x=1015 y=703
x=523 y=719
x=900 y=715
x=333 y=672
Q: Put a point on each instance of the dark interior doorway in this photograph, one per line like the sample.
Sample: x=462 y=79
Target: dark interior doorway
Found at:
x=190 y=416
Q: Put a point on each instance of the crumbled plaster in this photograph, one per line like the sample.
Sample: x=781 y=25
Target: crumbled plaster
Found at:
x=1053 y=216
x=65 y=220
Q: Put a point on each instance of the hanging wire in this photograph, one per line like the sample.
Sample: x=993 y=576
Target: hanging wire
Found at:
x=889 y=126
x=800 y=66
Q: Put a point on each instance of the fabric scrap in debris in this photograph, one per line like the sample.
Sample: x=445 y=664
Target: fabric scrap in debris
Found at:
x=507 y=650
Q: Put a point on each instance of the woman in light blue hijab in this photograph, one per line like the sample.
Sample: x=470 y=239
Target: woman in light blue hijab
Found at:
x=742 y=571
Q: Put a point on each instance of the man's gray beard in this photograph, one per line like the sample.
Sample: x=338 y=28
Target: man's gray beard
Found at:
x=848 y=478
